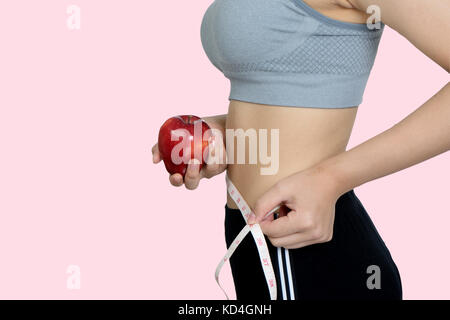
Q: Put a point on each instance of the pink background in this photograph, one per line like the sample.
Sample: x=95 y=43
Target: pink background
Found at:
x=79 y=112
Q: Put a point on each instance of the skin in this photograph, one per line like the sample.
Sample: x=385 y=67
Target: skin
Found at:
x=315 y=167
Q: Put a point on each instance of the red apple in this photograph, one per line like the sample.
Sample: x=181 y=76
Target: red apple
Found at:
x=180 y=139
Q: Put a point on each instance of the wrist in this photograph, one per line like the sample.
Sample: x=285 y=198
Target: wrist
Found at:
x=217 y=124
x=332 y=176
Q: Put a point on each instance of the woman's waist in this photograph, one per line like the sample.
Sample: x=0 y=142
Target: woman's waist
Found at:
x=267 y=143
x=252 y=180
x=256 y=130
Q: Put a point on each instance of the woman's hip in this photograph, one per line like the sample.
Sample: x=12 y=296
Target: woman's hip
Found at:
x=355 y=264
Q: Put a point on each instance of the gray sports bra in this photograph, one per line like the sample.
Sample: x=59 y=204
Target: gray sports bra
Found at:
x=283 y=52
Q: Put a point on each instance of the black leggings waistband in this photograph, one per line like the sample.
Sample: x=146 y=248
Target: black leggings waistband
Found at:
x=355 y=264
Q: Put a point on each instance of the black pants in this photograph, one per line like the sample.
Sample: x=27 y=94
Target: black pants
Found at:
x=355 y=264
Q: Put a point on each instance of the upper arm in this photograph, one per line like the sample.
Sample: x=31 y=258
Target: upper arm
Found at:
x=425 y=23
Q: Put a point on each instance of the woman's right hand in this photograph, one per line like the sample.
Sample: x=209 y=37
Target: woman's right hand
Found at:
x=193 y=174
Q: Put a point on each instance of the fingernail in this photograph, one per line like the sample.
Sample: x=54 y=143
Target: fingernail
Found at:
x=251 y=218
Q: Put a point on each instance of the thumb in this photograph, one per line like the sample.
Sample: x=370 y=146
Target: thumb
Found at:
x=268 y=202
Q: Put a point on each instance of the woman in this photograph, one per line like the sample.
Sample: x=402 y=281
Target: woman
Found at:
x=301 y=66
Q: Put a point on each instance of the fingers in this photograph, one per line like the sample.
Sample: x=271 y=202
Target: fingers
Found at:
x=268 y=201
x=212 y=168
x=301 y=239
x=278 y=228
x=303 y=244
x=192 y=176
x=297 y=230
x=156 y=154
x=176 y=179
x=296 y=239
x=285 y=225
x=293 y=242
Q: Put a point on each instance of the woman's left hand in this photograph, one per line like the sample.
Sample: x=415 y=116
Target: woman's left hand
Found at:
x=306 y=217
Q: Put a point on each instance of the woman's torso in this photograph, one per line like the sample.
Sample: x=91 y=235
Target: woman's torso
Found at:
x=306 y=135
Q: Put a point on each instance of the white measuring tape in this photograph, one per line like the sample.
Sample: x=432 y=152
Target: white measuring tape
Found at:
x=258 y=236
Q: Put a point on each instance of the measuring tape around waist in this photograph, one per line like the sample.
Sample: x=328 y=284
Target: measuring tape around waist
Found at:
x=258 y=236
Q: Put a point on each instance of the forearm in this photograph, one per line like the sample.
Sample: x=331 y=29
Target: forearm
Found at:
x=424 y=134
x=217 y=122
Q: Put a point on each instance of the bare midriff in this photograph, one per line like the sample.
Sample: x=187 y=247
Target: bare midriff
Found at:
x=307 y=136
